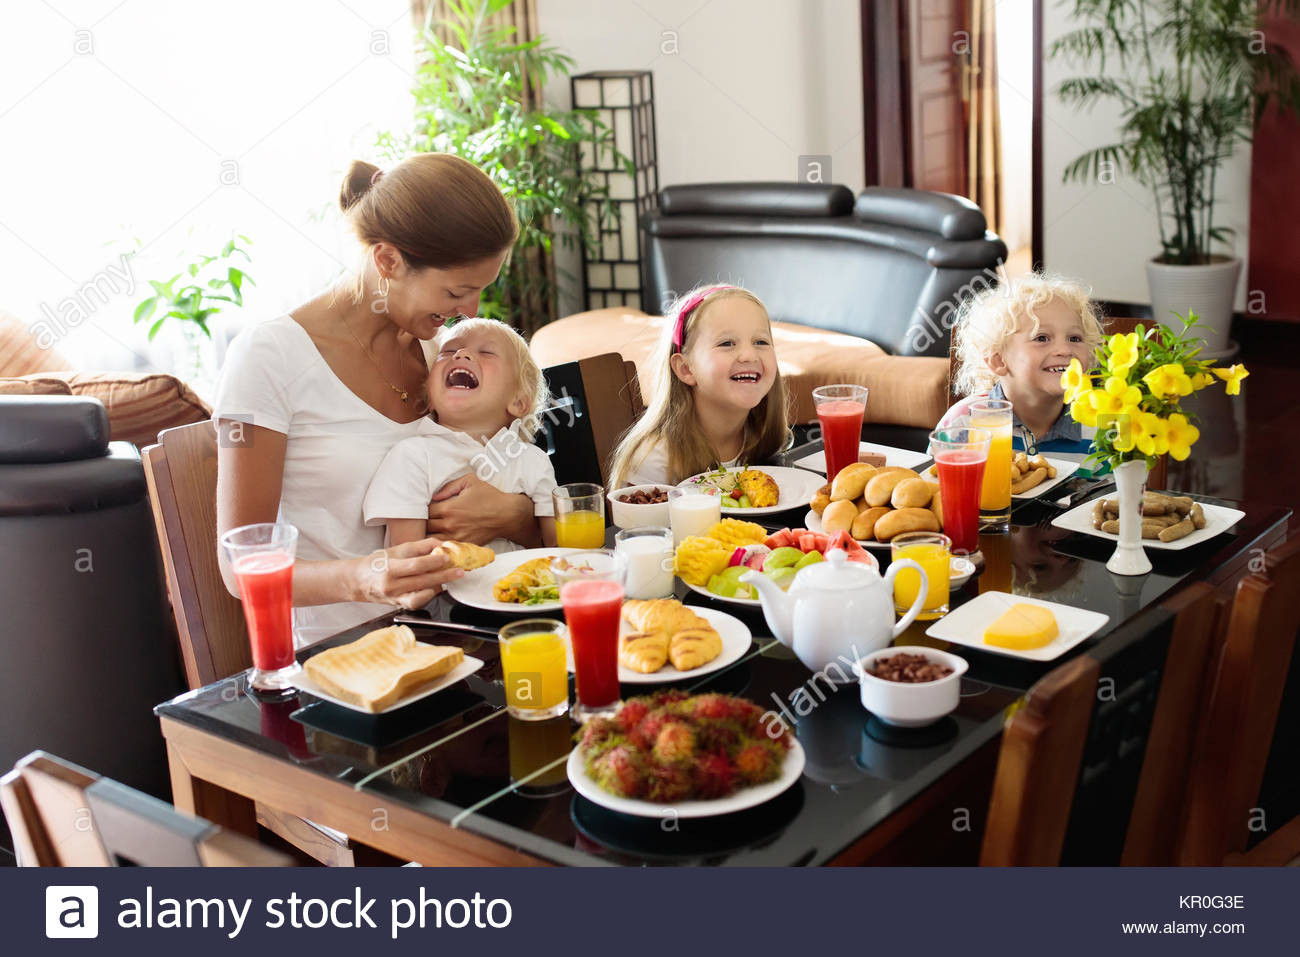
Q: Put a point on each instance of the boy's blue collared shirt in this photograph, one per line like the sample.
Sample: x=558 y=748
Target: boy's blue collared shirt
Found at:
x=1065 y=435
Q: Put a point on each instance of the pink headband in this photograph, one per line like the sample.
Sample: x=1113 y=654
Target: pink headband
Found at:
x=684 y=312
x=375 y=176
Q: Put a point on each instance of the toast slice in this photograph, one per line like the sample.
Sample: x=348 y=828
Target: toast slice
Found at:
x=376 y=670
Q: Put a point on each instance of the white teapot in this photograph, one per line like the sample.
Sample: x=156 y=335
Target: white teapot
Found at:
x=835 y=612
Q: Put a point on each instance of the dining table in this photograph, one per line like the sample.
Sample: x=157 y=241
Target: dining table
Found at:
x=453 y=779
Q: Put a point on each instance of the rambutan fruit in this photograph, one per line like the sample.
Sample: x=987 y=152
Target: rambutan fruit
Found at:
x=668 y=783
x=757 y=762
x=619 y=771
x=714 y=776
x=675 y=743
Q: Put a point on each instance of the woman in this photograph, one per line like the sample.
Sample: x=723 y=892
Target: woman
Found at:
x=310 y=402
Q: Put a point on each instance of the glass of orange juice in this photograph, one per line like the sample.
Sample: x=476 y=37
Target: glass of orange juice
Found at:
x=534 y=669
x=995 y=493
x=579 y=515
x=932 y=552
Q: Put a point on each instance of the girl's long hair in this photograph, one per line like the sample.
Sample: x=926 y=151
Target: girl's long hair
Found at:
x=670 y=416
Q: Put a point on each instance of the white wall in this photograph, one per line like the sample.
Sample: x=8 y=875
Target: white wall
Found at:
x=752 y=84
x=1105 y=233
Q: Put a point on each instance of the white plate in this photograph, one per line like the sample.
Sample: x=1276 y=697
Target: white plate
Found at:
x=302 y=681
x=965 y=625
x=903 y=458
x=736 y=639
x=813 y=522
x=1218 y=518
x=475 y=588
x=742 y=799
x=754 y=602
x=797 y=487
x=1064 y=469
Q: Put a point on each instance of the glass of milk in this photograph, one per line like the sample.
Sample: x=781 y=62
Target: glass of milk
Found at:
x=693 y=511
x=649 y=551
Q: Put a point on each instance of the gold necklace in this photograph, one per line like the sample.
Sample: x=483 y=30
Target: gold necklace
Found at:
x=401 y=393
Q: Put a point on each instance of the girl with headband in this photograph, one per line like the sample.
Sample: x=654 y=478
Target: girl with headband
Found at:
x=717 y=396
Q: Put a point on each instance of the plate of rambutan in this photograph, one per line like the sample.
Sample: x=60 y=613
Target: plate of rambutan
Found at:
x=676 y=755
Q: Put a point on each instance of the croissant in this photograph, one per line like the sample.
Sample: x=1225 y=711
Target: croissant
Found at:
x=661 y=614
x=466 y=555
x=692 y=647
x=514 y=586
x=643 y=652
x=689 y=640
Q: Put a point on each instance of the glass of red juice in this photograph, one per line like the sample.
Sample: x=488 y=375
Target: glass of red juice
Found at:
x=960 y=455
x=261 y=556
x=839 y=410
x=591 y=593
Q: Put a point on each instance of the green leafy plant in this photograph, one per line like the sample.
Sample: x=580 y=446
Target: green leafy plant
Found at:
x=477 y=95
x=1191 y=78
x=195 y=294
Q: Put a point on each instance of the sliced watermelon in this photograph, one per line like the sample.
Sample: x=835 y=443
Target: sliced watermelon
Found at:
x=844 y=540
x=822 y=540
x=781 y=539
x=862 y=556
x=807 y=541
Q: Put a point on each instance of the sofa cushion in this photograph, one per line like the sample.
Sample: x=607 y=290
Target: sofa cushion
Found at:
x=22 y=352
x=140 y=405
x=39 y=384
x=903 y=390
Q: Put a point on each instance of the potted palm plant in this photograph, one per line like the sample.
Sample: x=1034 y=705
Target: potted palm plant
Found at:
x=1190 y=77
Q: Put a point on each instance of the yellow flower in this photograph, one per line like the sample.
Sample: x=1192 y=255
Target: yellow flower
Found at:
x=1200 y=380
x=1119 y=389
x=1180 y=436
x=1168 y=381
x=1123 y=352
x=1115 y=399
x=1152 y=434
x=1232 y=377
x=1082 y=409
x=1123 y=430
x=1074 y=381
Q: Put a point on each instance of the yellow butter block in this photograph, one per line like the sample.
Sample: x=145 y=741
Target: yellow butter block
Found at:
x=1022 y=627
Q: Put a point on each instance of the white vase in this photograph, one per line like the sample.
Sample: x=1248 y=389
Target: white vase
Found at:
x=1130 y=557
x=1208 y=290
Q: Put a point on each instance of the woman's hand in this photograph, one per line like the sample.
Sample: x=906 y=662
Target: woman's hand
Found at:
x=409 y=575
x=468 y=509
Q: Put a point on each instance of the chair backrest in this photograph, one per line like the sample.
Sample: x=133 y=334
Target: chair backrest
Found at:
x=1237 y=728
x=594 y=401
x=65 y=816
x=1153 y=830
x=181 y=471
x=1038 y=766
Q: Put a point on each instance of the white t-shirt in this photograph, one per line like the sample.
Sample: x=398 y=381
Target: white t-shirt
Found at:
x=417 y=467
x=274 y=377
x=652 y=468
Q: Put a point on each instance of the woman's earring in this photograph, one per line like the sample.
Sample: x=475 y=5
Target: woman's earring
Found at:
x=383 y=286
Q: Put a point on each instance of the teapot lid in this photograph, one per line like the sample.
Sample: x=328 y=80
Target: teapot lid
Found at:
x=838 y=572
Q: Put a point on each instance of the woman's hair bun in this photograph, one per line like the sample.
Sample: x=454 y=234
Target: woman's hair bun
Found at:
x=357 y=181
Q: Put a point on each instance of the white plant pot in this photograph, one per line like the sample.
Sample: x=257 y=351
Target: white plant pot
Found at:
x=1130 y=558
x=1207 y=290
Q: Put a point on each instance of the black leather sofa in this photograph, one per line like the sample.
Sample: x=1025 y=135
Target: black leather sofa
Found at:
x=88 y=643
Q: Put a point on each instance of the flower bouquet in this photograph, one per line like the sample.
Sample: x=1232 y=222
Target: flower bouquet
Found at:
x=1133 y=400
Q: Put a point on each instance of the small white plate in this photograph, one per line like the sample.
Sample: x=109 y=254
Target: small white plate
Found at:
x=475 y=588
x=302 y=681
x=813 y=522
x=965 y=625
x=1218 y=518
x=736 y=639
x=797 y=487
x=1064 y=469
x=959 y=571
x=903 y=458
x=742 y=799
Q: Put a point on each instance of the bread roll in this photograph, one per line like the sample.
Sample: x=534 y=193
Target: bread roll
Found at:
x=838 y=517
x=882 y=484
x=905 y=520
x=936 y=506
x=821 y=499
x=864 y=526
x=912 y=493
x=852 y=479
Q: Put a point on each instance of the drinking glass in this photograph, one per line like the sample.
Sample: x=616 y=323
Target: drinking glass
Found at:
x=534 y=669
x=995 y=490
x=960 y=455
x=261 y=556
x=933 y=552
x=693 y=511
x=649 y=551
x=579 y=515
x=591 y=593
x=839 y=410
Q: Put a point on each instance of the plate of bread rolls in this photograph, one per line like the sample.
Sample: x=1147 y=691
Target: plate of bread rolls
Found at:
x=1031 y=475
x=1168 y=521
x=873 y=504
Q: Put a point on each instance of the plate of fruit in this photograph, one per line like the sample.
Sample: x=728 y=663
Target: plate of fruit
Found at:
x=672 y=754
x=765 y=491
x=781 y=557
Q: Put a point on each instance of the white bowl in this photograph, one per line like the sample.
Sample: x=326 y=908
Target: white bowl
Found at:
x=910 y=704
x=635 y=516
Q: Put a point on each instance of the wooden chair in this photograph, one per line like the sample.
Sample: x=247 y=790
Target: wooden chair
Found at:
x=62 y=815
x=181 y=472
x=1237 y=727
x=595 y=400
x=1038 y=765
